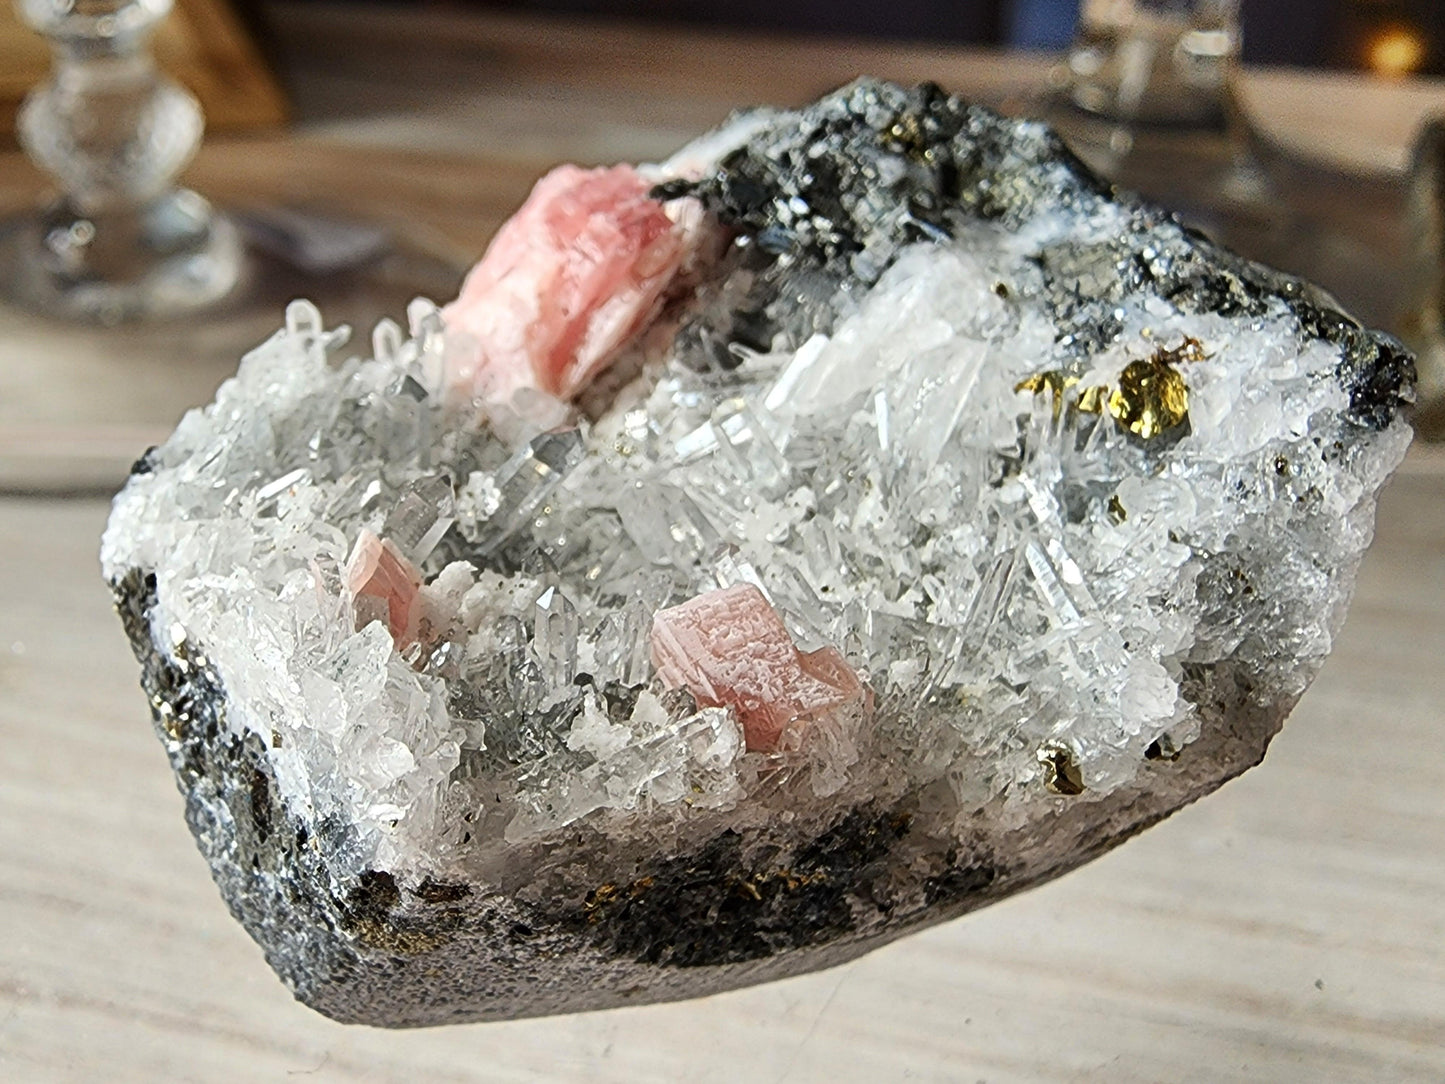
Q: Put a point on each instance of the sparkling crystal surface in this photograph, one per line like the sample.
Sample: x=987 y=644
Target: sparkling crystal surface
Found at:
x=940 y=520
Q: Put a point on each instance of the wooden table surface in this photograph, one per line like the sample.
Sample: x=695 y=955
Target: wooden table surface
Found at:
x=1290 y=927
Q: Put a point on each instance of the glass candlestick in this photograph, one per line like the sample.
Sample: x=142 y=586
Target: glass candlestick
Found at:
x=127 y=300
x=1152 y=76
x=121 y=241
x=1158 y=62
x=1145 y=98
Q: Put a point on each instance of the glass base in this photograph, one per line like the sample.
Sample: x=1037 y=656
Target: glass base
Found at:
x=1216 y=157
x=81 y=400
x=171 y=258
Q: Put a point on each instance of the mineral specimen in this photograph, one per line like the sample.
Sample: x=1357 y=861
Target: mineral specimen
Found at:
x=854 y=520
x=567 y=280
x=730 y=649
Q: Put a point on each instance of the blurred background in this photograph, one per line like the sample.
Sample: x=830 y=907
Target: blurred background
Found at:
x=1389 y=36
x=212 y=43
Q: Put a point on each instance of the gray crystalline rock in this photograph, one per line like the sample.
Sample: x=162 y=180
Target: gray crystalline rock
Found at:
x=1030 y=513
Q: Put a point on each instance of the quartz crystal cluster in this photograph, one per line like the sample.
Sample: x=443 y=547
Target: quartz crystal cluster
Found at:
x=855 y=519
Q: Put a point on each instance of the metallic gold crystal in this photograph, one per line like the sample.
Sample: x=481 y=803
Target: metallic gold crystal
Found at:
x=1061 y=770
x=1054 y=381
x=1189 y=349
x=1091 y=400
x=1151 y=398
x=907 y=133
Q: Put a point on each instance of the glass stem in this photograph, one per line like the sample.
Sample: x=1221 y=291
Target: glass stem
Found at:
x=120 y=241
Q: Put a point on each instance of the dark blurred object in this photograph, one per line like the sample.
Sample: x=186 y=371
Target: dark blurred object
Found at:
x=1042 y=24
x=1424 y=322
x=979 y=21
x=1387 y=37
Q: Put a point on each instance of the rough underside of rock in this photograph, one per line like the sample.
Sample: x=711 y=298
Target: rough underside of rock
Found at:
x=858 y=518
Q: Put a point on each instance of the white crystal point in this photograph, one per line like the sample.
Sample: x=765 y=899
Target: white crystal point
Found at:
x=945 y=521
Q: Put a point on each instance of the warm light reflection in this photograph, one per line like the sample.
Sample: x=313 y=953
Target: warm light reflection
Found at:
x=1396 y=51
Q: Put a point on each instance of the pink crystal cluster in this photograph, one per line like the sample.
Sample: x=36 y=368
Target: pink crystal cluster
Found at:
x=574 y=275
x=385 y=586
x=729 y=648
x=566 y=284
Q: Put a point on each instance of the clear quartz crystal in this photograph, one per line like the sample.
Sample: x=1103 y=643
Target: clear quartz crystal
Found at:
x=527 y=479
x=929 y=480
x=688 y=757
x=555 y=638
x=426 y=509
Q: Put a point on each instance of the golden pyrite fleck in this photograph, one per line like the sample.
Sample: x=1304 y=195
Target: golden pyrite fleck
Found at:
x=1054 y=381
x=1151 y=398
x=1061 y=770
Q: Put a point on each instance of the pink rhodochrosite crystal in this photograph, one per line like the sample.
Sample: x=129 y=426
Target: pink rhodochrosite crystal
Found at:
x=567 y=281
x=729 y=648
x=385 y=586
